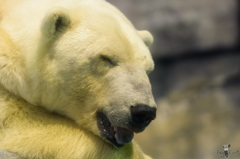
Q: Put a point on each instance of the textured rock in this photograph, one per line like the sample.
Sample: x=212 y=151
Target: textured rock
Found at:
x=176 y=74
x=198 y=101
x=8 y=155
x=193 y=123
x=186 y=25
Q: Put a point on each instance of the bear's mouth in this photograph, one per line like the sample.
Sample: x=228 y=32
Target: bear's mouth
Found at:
x=116 y=135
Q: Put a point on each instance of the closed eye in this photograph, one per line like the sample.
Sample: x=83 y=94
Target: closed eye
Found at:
x=107 y=59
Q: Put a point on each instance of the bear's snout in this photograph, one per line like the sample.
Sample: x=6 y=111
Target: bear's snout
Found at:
x=111 y=130
x=141 y=116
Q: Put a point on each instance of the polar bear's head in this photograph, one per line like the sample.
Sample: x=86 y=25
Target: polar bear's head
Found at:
x=91 y=66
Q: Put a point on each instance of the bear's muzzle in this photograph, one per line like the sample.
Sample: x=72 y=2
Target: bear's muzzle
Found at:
x=140 y=117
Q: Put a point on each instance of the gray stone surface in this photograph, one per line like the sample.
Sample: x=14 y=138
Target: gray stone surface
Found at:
x=8 y=155
x=198 y=100
x=192 y=123
x=217 y=70
x=183 y=25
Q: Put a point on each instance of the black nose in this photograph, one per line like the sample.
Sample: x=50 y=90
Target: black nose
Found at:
x=142 y=115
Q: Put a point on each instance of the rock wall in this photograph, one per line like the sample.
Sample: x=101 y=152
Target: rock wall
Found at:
x=186 y=25
x=198 y=102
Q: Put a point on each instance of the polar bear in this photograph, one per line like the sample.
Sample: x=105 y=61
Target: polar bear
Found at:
x=73 y=80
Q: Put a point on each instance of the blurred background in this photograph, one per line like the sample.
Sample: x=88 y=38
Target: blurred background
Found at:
x=196 y=81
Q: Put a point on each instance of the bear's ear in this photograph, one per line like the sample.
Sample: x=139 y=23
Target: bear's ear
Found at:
x=55 y=21
x=146 y=37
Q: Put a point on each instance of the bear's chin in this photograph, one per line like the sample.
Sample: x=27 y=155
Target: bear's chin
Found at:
x=117 y=136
